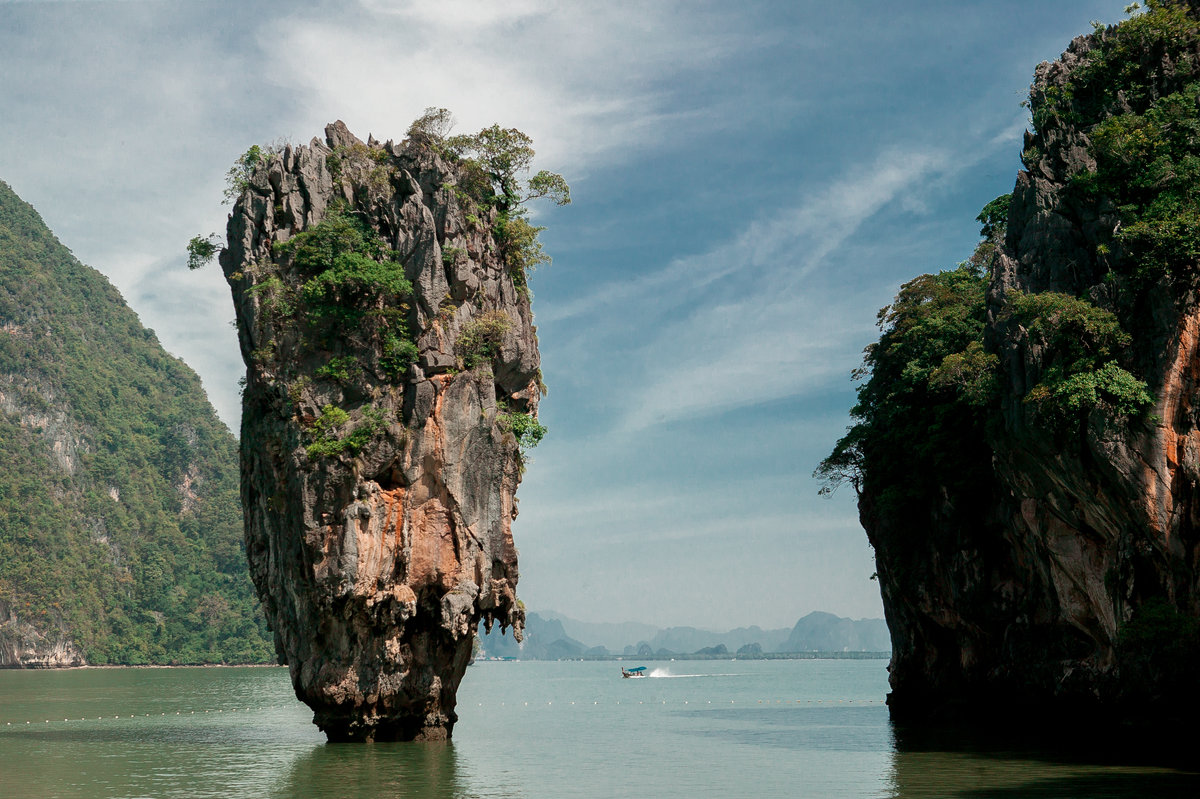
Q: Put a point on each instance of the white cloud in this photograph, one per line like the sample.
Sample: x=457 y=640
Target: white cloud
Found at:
x=581 y=78
x=459 y=14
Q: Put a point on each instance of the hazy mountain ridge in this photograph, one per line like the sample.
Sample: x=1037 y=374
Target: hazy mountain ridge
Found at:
x=552 y=636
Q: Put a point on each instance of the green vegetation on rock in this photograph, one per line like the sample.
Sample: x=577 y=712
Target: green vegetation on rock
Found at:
x=202 y=250
x=120 y=523
x=481 y=338
x=526 y=429
x=237 y=179
x=491 y=165
x=339 y=282
x=333 y=433
x=1136 y=96
x=1080 y=372
x=926 y=393
x=930 y=385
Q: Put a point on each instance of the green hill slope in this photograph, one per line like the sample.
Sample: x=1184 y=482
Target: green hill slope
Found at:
x=120 y=525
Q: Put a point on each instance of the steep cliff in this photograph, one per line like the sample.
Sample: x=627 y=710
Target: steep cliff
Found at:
x=1027 y=448
x=119 y=533
x=392 y=379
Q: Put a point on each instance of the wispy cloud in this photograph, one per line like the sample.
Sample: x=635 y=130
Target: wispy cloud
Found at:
x=755 y=332
x=759 y=322
x=792 y=241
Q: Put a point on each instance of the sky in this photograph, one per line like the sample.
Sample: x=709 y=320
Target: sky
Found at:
x=752 y=181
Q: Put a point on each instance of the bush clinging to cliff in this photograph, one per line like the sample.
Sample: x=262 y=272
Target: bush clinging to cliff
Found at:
x=1081 y=343
x=927 y=386
x=481 y=338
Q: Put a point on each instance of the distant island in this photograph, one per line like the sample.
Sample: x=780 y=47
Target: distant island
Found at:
x=552 y=636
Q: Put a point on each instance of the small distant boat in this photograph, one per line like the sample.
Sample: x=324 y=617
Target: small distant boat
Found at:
x=637 y=671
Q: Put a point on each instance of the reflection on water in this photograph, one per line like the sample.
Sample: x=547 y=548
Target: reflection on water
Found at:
x=970 y=763
x=378 y=771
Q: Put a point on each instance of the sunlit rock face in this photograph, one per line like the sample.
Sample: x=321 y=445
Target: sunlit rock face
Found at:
x=23 y=646
x=377 y=481
x=1067 y=581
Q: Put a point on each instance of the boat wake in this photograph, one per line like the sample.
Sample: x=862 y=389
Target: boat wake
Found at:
x=666 y=674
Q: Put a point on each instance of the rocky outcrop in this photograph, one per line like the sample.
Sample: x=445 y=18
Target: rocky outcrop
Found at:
x=1068 y=578
x=24 y=646
x=379 y=465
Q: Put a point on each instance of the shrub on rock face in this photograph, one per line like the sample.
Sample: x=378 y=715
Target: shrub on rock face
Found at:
x=525 y=428
x=202 y=250
x=1080 y=372
x=480 y=339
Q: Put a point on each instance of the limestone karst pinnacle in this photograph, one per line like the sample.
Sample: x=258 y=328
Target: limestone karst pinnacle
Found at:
x=389 y=348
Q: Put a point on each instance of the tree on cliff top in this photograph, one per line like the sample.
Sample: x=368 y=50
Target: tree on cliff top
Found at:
x=492 y=165
x=502 y=154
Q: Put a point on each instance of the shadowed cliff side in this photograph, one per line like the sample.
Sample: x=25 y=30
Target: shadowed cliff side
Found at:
x=392 y=380
x=1027 y=449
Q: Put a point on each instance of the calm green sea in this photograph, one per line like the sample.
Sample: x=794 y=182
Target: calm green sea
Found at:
x=805 y=728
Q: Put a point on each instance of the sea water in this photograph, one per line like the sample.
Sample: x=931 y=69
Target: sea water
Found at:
x=787 y=728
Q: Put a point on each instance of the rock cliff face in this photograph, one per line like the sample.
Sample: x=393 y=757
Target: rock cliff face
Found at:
x=1064 y=574
x=389 y=350
x=24 y=646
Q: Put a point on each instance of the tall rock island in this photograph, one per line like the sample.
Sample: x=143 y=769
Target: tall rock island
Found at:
x=1027 y=446
x=392 y=381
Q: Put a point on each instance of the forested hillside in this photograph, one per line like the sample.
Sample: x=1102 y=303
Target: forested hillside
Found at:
x=120 y=524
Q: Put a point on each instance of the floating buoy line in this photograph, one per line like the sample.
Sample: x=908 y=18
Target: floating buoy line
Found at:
x=127 y=716
x=549 y=703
